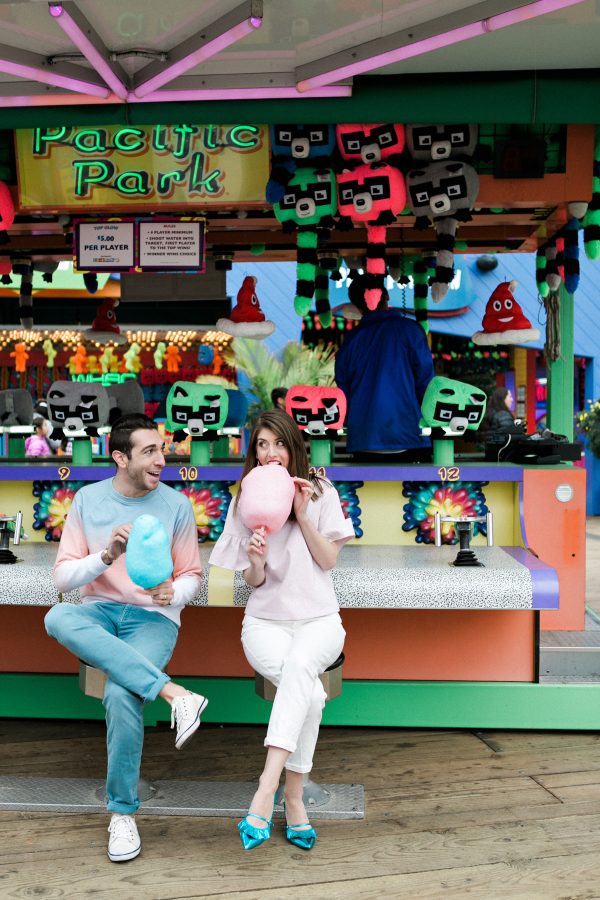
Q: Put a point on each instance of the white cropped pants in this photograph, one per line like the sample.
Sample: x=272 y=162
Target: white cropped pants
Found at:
x=292 y=655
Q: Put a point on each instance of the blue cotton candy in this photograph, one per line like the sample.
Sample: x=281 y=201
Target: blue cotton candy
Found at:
x=148 y=555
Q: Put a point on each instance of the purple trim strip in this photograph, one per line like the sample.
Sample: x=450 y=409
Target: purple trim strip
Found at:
x=543 y=577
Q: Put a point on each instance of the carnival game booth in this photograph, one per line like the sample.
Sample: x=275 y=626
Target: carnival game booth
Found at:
x=429 y=643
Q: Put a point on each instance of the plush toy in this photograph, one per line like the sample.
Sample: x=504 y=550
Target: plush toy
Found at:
x=78 y=407
x=315 y=409
x=16 y=407
x=504 y=321
x=591 y=222
x=293 y=146
x=79 y=361
x=206 y=354
x=104 y=327
x=247 y=318
x=159 y=352
x=173 y=357
x=24 y=268
x=372 y=196
x=124 y=399
x=368 y=144
x=451 y=407
x=195 y=408
x=308 y=204
x=7 y=212
x=446 y=191
x=109 y=361
x=148 y=556
x=436 y=142
x=50 y=352
x=20 y=356
x=132 y=359
x=266 y=498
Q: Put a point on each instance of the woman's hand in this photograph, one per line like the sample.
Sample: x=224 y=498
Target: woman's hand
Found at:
x=257 y=546
x=163 y=593
x=302 y=496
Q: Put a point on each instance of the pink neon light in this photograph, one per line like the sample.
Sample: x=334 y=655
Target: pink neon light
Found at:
x=266 y=93
x=229 y=37
x=91 y=53
x=47 y=76
x=55 y=9
x=56 y=100
x=436 y=42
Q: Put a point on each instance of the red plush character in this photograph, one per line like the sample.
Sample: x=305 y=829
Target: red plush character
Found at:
x=370 y=143
x=247 y=318
x=504 y=321
x=316 y=410
x=373 y=196
x=104 y=327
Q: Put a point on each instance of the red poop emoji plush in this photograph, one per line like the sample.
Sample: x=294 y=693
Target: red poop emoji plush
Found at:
x=504 y=321
x=247 y=318
x=104 y=327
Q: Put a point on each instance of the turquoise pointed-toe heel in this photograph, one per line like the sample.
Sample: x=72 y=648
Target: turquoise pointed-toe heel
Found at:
x=305 y=838
x=250 y=835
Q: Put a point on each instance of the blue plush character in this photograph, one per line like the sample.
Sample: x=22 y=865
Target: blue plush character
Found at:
x=294 y=146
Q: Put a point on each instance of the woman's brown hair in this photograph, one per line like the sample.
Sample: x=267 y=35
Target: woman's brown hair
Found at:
x=282 y=425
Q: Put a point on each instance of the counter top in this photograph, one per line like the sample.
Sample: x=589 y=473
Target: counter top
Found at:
x=371 y=577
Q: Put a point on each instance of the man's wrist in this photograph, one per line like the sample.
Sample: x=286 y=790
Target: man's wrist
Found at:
x=106 y=558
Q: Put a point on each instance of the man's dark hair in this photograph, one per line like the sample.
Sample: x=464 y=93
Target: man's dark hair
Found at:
x=278 y=393
x=120 y=435
x=356 y=294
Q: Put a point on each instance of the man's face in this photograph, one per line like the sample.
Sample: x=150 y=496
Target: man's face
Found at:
x=142 y=468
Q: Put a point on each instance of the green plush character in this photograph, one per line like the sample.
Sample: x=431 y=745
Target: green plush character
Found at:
x=309 y=202
x=451 y=407
x=195 y=408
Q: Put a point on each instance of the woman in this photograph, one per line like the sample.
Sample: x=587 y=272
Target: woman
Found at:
x=292 y=629
x=499 y=418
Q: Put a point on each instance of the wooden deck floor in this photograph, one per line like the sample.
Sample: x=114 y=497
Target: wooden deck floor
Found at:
x=448 y=814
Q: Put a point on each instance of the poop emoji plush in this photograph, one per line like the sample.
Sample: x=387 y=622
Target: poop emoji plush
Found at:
x=247 y=318
x=104 y=327
x=504 y=321
x=148 y=556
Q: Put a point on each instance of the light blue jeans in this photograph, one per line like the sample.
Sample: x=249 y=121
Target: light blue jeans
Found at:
x=132 y=646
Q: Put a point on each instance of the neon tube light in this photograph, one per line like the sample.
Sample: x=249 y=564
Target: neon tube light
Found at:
x=33 y=67
x=227 y=30
x=251 y=93
x=421 y=39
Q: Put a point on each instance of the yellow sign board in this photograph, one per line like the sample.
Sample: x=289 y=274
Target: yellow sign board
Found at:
x=118 y=167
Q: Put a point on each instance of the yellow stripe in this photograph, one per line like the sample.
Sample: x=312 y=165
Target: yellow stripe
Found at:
x=220 y=586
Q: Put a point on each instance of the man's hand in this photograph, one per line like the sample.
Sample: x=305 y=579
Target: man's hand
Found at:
x=117 y=541
x=162 y=594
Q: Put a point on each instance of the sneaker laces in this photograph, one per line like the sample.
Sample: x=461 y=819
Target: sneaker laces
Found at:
x=181 y=708
x=123 y=827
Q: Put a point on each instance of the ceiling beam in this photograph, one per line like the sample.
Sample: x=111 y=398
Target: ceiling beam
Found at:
x=33 y=67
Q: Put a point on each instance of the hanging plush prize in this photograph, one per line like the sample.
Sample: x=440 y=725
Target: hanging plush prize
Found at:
x=591 y=222
x=309 y=203
x=247 y=318
x=24 y=268
x=446 y=191
x=504 y=321
x=315 y=409
x=437 y=142
x=7 y=212
x=294 y=146
x=369 y=144
x=372 y=196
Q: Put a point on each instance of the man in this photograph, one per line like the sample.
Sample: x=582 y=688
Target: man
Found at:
x=383 y=368
x=127 y=632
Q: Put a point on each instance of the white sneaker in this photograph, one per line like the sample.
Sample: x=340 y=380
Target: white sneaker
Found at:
x=185 y=713
x=124 y=841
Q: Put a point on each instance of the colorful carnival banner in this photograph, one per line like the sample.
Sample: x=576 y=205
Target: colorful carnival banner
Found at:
x=120 y=167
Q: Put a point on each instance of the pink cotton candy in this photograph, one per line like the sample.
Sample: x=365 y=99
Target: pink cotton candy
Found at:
x=266 y=498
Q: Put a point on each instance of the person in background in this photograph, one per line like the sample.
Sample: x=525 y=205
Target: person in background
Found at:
x=41 y=410
x=383 y=368
x=37 y=443
x=125 y=631
x=498 y=416
x=278 y=396
x=292 y=629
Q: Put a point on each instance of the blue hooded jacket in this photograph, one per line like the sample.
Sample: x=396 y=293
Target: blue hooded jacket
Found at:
x=383 y=367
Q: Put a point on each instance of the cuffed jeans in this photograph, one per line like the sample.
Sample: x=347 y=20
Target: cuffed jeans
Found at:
x=292 y=655
x=132 y=646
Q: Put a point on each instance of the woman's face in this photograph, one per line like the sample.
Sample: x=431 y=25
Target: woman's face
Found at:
x=508 y=400
x=271 y=449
